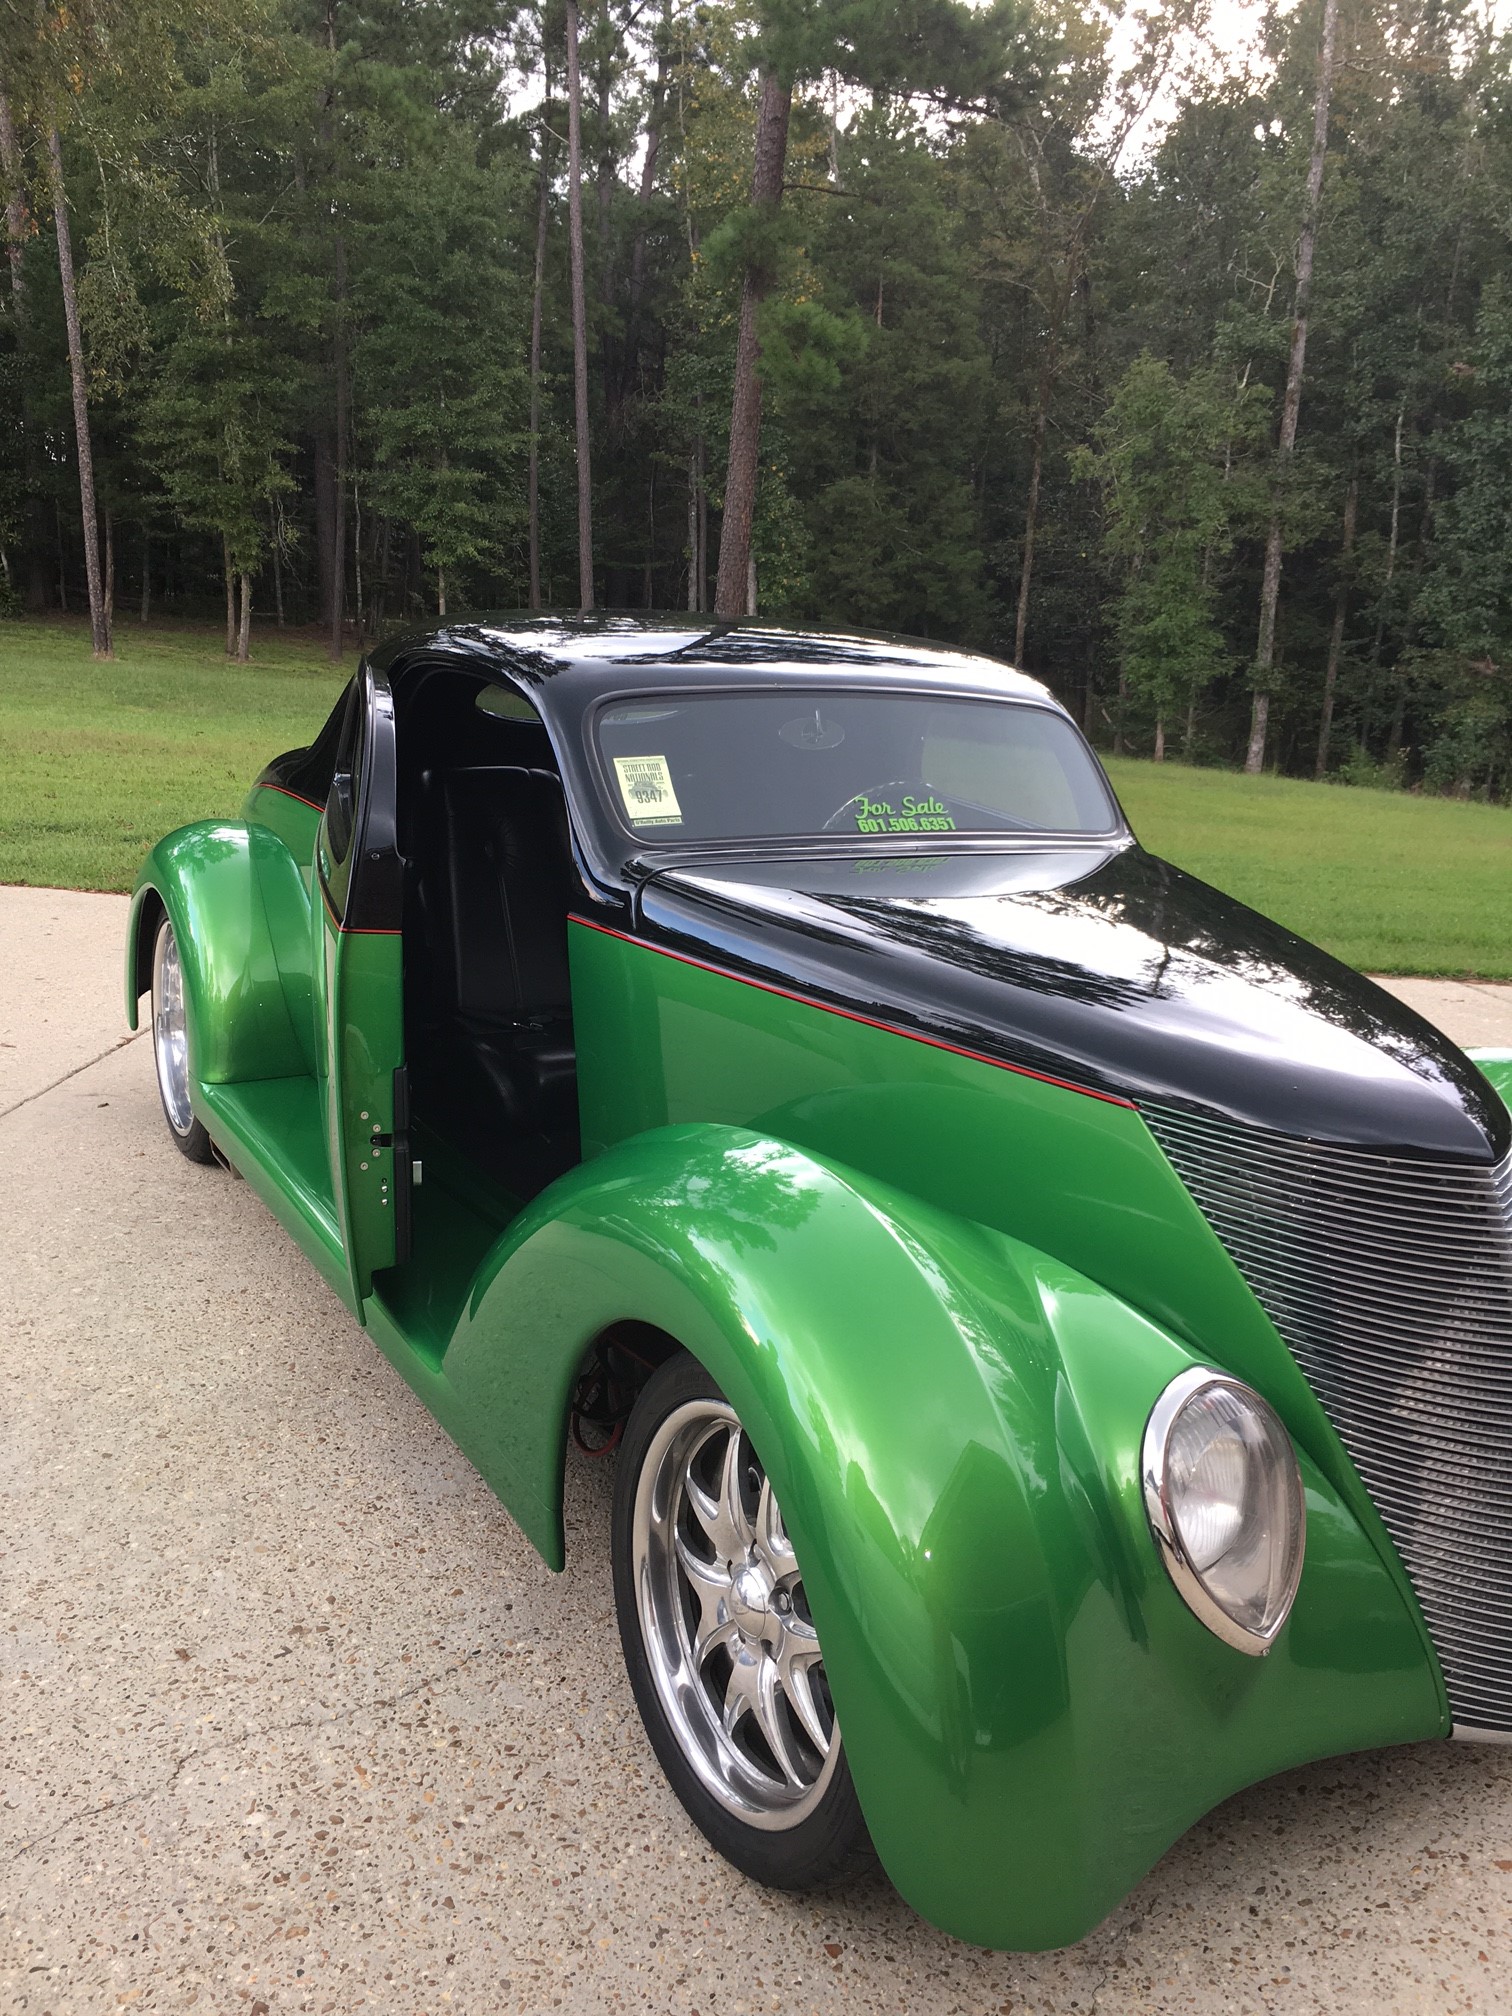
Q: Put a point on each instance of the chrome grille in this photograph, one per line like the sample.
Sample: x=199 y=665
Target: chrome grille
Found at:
x=1390 y=1279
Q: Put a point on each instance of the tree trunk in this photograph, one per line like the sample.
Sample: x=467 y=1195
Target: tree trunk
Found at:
x=1398 y=716
x=648 y=578
x=359 y=605
x=732 y=589
x=1291 y=405
x=146 y=610
x=533 y=475
x=336 y=611
x=605 y=175
x=230 y=573
x=1089 y=690
x=695 y=559
x=1160 y=738
x=1336 y=634
x=579 y=310
x=1393 y=536
x=1031 y=509
x=16 y=231
x=1049 y=371
x=440 y=591
x=1399 y=697
x=99 y=621
x=638 y=249
x=275 y=543
x=413 y=572
x=109 y=572
x=339 y=475
x=15 y=200
x=244 y=628
x=703 y=524
x=327 y=561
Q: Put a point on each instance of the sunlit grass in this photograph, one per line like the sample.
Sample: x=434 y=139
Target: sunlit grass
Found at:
x=98 y=761
x=1392 y=882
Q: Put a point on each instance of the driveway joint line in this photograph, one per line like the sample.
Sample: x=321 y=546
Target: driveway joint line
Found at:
x=383 y=1703
x=43 y=1090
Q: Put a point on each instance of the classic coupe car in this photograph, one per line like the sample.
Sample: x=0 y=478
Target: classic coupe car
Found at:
x=1054 y=1323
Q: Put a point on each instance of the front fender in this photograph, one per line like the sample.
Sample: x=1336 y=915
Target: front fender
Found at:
x=1496 y=1065
x=209 y=878
x=952 y=1422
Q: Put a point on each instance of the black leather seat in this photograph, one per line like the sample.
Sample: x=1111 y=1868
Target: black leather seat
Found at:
x=496 y=1063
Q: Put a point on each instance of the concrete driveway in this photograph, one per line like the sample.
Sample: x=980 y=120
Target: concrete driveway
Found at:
x=293 y=1719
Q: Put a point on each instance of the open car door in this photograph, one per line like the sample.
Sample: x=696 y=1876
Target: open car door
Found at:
x=358 y=975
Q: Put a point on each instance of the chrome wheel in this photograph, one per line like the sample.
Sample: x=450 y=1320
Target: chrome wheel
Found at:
x=729 y=1641
x=170 y=1033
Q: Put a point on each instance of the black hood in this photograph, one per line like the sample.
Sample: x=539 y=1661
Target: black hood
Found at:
x=1106 y=967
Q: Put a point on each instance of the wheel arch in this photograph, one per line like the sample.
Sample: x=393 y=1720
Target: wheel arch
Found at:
x=147 y=912
x=205 y=880
x=952 y=1422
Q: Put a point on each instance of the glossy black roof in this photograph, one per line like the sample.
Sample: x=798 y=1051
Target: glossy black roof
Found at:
x=571 y=660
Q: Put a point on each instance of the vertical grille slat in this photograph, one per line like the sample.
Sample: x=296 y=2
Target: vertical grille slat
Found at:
x=1389 y=1278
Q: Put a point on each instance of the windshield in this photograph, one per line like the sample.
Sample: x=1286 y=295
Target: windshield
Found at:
x=746 y=765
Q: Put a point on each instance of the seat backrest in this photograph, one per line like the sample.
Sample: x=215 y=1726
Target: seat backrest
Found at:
x=508 y=886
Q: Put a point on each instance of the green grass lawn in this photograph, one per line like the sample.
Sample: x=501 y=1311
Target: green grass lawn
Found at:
x=98 y=760
x=1391 y=882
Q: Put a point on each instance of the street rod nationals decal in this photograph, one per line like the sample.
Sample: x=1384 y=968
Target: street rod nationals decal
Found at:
x=645 y=785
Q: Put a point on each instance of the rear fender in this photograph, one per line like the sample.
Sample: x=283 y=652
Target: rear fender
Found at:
x=952 y=1422
x=210 y=880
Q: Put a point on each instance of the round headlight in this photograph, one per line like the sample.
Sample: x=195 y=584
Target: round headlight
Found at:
x=1224 y=1495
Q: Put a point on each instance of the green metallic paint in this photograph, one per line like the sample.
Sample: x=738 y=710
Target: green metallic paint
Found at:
x=272 y=1132
x=359 y=1024
x=952 y=1422
x=292 y=819
x=1496 y=1065
x=240 y=1023
x=662 y=1040
x=946 y=1362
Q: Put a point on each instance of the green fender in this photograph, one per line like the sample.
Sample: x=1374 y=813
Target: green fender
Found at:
x=952 y=1422
x=1496 y=1065
x=241 y=916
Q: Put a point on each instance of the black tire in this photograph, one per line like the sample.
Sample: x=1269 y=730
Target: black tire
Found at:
x=170 y=1049
x=821 y=1838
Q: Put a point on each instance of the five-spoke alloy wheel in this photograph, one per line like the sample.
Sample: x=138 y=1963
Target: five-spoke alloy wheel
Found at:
x=170 y=1047
x=723 y=1653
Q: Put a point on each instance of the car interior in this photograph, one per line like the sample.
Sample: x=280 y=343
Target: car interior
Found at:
x=489 y=884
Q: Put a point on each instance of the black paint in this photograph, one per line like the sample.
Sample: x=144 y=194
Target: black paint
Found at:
x=1096 y=962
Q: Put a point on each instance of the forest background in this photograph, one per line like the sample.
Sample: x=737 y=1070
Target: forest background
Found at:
x=1181 y=377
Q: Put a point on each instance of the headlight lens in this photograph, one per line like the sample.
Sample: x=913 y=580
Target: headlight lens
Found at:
x=1224 y=1496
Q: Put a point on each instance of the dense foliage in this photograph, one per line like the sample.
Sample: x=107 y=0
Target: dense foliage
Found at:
x=1023 y=351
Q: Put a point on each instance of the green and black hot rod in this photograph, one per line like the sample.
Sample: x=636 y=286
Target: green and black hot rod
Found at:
x=1056 y=1324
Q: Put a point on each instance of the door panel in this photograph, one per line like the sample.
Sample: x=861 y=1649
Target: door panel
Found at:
x=358 y=977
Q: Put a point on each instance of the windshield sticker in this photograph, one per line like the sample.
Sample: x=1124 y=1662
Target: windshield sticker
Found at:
x=646 y=786
x=812 y=731
x=917 y=815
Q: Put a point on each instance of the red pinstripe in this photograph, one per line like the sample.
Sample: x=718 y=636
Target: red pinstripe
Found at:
x=851 y=1015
